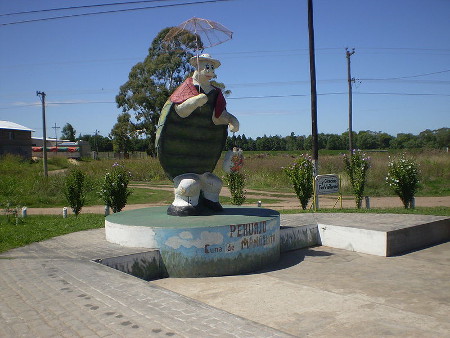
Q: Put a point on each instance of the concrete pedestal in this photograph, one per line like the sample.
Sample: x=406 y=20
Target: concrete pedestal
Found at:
x=235 y=241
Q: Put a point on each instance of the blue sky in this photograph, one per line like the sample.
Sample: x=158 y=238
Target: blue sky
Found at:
x=81 y=62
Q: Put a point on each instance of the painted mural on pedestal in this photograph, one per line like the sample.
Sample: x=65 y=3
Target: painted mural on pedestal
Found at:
x=235 y=248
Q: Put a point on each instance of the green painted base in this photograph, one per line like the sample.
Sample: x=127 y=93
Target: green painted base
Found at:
x=157 y=217
x=237 y=240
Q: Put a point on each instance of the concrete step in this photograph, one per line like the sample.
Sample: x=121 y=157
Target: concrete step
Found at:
x=376 y=234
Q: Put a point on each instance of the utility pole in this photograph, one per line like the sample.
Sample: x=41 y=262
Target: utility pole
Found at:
x=312 y=71
x=44 y=133
x=96 y=145
x=96 y=140
x=350 y=103
x=56 y=137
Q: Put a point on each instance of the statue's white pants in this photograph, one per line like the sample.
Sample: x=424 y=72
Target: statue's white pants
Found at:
x=187 y=188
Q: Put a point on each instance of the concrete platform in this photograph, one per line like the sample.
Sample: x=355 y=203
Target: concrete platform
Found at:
x=236 y=240
x=375 y=234
x=53 y=289
x=326 y=292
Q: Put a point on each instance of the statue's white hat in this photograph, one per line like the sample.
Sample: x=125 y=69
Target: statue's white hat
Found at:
x=204 y=57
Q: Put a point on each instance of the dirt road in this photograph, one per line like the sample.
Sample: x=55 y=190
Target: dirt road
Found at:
x=274 y=200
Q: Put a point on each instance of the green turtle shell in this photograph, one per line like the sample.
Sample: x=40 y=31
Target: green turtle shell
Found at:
x=192 y=144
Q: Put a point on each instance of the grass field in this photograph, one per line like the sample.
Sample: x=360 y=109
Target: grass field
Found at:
x=22 y=231
x=22 y=183
x=264 y=171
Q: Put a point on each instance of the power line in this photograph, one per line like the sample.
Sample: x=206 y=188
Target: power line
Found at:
x=407 y=48
x=80 y=7
x=112 y=11
x=408 y=77
x=268 y=96
x=245 y=98
x=242 y=54
x=339 y=50
x=401 y=94
x=278 y=83
x=438 y=82
x=107 y=91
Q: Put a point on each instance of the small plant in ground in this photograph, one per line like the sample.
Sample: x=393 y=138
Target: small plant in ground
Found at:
x=234 y=178
x=356 y=167
x=301 y=176
x=403 y=178
x=11 y=212
x=114 y=187
x=74 y=190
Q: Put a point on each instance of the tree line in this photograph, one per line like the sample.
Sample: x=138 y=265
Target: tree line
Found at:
x=367 y=140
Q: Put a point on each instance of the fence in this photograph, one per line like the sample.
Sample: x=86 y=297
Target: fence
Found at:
x=120 y=156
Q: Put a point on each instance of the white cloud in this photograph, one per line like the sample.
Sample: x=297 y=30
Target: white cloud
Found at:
x=185 y=235
x=25 y=104
x=187 y=240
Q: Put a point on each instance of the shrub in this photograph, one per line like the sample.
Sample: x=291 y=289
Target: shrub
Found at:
x=74 y=186
x=114 y=188
x=403 y=178
x=301 y=176
x=236 y=183
x=234 y=178
x=356 y=168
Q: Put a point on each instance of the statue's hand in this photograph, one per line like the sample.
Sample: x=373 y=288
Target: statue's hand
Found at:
x=227 y=118
x=233 y=124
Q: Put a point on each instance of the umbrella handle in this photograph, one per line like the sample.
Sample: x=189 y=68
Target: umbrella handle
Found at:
x=198 y=69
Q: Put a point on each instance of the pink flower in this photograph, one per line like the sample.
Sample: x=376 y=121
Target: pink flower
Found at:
x=238 y=162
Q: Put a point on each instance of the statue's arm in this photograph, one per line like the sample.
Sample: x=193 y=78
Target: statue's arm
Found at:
x=227 y=118
x=187 y=107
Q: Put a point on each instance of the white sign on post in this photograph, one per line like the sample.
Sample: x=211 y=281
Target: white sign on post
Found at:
x=327 y=184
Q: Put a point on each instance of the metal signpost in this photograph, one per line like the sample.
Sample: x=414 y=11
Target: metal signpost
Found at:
x=327 y=184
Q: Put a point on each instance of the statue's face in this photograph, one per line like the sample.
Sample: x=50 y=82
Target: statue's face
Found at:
x=205 y=71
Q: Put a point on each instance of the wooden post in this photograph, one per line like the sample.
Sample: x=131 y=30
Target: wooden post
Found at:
x=350 y=101
x=312 y=70
x=44 y=133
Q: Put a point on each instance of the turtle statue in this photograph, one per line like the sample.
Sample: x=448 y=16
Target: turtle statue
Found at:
x=191 y=134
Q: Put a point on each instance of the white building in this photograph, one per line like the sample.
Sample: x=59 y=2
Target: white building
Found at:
x=62 y=148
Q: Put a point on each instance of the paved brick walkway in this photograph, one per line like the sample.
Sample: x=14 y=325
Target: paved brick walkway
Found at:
x=53 y=289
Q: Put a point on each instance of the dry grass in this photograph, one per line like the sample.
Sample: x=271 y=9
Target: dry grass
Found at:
x=264 y=171
x=22 y=183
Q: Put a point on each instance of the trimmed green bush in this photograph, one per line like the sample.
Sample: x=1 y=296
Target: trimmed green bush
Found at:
x=114 y=188
x=356 y=167
x=301 y=176
x=74 y=186
x=403 y=178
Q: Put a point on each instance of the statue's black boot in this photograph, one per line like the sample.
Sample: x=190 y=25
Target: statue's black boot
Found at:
x=214 y=206
x=187 y=210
